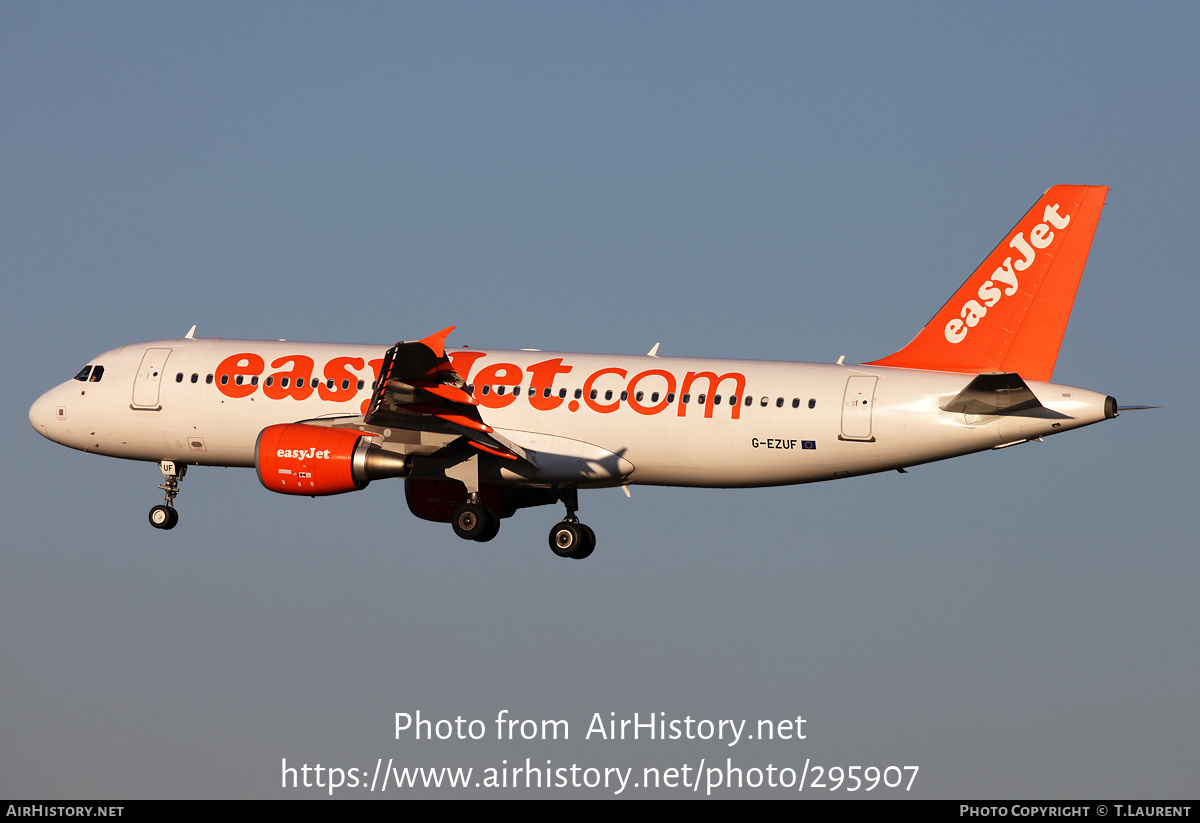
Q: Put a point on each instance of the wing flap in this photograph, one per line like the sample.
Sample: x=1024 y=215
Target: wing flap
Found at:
x=419 y=389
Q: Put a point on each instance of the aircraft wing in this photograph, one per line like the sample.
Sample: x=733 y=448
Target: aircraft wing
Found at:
x=418 y=389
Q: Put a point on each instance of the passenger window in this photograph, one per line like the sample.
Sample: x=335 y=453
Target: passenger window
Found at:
x=717 y=400
x=593 y=394
x=764 y=401
x=533 y=391
x=562 y=394
x=795 y=402
x=700 y=399
x=486 y=389
x=578 y=393
x=638 y=397
x=670 y=397
x=749 y=400
x=686 y=399
x=179 y=377
x=500 y=390
x=608 y=395
x=779 y=403
x=546 y=392
x=238 y=380
x=345 y=385
x=195 y=377
x=812 y=402
x=270 y=381
x=283 y=382
x=733 y=400
x=624 y=395
x=360 y=385
x=83 y=374
x=329 y=384
x=208 y=379
x=653 y=397
x=254 y=380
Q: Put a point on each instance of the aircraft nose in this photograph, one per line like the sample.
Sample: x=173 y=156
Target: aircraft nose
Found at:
x=39 y=414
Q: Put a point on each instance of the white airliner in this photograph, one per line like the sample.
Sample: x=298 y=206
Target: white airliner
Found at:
x=479 y=433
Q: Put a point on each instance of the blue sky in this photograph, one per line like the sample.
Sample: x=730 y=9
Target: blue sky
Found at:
x=776 y=181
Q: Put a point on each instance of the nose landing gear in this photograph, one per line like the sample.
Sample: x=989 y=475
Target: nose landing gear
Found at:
x=165 y=517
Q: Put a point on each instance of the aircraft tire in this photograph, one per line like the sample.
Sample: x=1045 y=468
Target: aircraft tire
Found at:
x=470 y=521
x=587 y=545
x=160 y=517
x=491 y=529
x=566 y=538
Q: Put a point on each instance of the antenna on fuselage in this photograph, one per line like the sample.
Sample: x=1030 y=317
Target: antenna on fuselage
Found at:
x=191 y=335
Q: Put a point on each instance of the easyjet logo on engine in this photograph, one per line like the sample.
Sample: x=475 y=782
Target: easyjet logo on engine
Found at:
x=1003 y=282
x=301 y=454
x=497 y=385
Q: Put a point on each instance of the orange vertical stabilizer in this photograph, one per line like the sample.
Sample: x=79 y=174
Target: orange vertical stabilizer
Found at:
x=1010 y=315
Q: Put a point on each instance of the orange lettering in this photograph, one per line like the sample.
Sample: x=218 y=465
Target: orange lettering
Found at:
x=713 y=383
x=603 y=408
x=297 y=377
x=246 y=364
x=541 y=377
x=502 y=374
x=338 y=370
x=636 y=404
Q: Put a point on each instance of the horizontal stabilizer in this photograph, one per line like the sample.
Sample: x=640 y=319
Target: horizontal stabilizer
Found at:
x=994 y=393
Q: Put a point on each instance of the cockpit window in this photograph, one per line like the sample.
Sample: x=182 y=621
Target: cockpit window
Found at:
x=97 y=373
x=83 y=374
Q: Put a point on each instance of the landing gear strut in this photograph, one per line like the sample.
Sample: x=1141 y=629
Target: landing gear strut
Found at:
x=165 y=517
x=570 y=538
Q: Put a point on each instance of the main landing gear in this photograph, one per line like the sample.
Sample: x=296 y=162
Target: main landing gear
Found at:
x=570 y=538
x=165 y=517
x=475 y=521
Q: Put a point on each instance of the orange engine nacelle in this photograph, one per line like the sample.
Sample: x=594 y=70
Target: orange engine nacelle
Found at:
x=295 y=458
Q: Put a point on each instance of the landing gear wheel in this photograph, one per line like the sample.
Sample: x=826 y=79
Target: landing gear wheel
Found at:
x=566 y=538
x=587 y=544
x=491 y=529
x=163 y=517
x=471 y=520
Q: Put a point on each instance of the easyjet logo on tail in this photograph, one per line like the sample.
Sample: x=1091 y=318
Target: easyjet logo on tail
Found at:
x=1003 y=282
